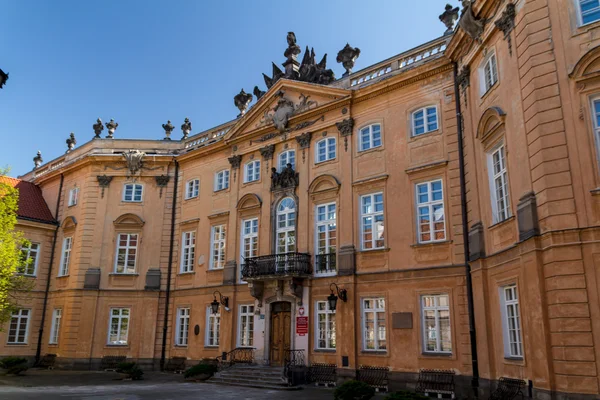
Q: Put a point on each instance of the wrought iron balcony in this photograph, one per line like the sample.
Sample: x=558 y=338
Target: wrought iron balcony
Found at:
x=288 y=264
x=325 y=264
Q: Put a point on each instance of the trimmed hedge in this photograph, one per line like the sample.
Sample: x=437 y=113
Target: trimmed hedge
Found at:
x=133 y=371
x=14 y=365
x=200 y=369
x=354 y=390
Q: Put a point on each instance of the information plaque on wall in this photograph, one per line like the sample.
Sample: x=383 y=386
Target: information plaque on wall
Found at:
x=301 y=326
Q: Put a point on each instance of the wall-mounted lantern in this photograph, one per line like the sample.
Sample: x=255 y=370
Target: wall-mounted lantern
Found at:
x=215 y=304
x=332 y=298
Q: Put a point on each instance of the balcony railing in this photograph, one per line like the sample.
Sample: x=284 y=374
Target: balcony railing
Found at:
x=325 y=264
x=293 y=264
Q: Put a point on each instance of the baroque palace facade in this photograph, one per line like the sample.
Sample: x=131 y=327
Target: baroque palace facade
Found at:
x=359 y=189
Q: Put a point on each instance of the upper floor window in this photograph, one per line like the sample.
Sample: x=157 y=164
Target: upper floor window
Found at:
x=217 y=246
x=249 y=239
x=127 y=244
x=435 y=310
x=286 y=226
x=65 y=258
x=326 y=150
x=252 y=171
x=424 y=120
x=374 y=327
x=18 y=329
x=192 y=189
x=430 y=212
x=372 y=226
x=118 y=326
x=285 y=158
x=498 y=176
x=73 y=196
x=30 y=255
x=188 y=251
x=370 y=137
x=511 y=321
x=222 y=180
x=488 y=73
x=589 y=11
x=326 y=239
x=133 y=192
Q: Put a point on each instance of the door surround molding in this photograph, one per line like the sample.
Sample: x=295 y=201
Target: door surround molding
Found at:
x=267 y=336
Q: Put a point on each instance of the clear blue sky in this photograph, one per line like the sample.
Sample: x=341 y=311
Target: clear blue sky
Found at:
x=144 y=62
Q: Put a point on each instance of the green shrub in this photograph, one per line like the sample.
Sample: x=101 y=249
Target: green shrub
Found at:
x=200 y=369
x=354 y=390
x=405 y=395
x=14 y=365
x=133 y=371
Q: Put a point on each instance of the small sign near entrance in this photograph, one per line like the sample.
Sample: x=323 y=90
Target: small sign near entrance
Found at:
x=301 y=326
x=301 y=311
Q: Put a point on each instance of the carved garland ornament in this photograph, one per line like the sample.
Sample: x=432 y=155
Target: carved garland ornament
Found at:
x=506 y=23
x=345 y=128
x=304 y=142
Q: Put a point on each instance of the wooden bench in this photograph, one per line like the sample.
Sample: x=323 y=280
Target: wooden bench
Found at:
x=437 y=382
x=376 y=377
x=508 y=389
x=176 y=364
x=47 y=361
x=109 y=363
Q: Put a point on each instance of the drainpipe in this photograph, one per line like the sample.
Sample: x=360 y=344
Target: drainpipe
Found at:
x=465 y=228
x=41 y=331
x=169 y=268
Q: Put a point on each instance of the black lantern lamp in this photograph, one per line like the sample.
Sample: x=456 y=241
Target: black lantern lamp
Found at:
x=215 y=304
x=332 y=298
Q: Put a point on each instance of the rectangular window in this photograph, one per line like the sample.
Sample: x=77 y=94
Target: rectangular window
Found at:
x=249 y=242
x=217 y=244
x=246 y=326
x=65 y=258
x=326 y=150
x=221 y=180
x=73 y=196
x=55 y=329
x=133 y=192
x=511 y=321
x=183 y=324
x=372 y=224
x=252 y=171
x=326 y=237
x=435 y=310
x=589 y=10
x=370 y=137
x=374 y=335
x=18 y=329
x=188 y=252
x=29 y=256
x=118 y=326
x=325 y=326
x=489 y=73
x=192 y=189
x=499 y=184
x=424 y=120
x=126 y=253
x=431 y=220
x=213 y=323
x=287 y=157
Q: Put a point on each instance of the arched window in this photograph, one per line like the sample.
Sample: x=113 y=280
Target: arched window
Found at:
x=286 y=226
x=285 y=158
x=325 y=150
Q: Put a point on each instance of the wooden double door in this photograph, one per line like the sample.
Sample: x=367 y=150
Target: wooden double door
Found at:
x=281 y=325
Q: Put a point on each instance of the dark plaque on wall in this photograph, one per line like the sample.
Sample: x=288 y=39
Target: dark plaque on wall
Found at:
x=197 y=330
x=402 y=320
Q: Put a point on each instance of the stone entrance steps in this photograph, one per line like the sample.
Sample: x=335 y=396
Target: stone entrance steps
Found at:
x=253 y=376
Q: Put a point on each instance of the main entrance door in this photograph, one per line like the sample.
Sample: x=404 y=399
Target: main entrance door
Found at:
x=281 y=323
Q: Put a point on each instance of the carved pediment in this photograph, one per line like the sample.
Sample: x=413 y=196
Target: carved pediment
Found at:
x=588 y=66
x=129 y=220
x=490 y=121
x=324 y=183
x=249 y=201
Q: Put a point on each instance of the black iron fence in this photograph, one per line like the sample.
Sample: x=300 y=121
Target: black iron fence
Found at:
x=376 y=377
x=325 y=263
x=276 y=264
x=239 y=355
x=322 y=373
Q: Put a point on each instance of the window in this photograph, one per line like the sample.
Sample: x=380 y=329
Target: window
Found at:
x=372 y=225
x=19 y=327
x=424 y=120
x=374 y=324
x=246 y=326
x=73 y=196
x=65 y=258
x=326 y=150
x=252 y=171
x=213 y=322
x=188 y=252
x=325 y=331
x=488 y=73
x=222 y=180
x=285 y=158
x=370 y=137
x=511 y=321
x=589 y=11
x=55 y=329
x=183 y=324
x=217 y=245
x=29 y=256
x=192 y=189
x=499 y=184
x=431 y=222
x=326 y=237
x=126 y=253
x=118 y=326
x=133 y=192
x=249 y=238
x=286 y=226
x=436 y=324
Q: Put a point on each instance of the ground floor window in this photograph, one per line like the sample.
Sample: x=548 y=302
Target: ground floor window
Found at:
x=118 y=326
x=213 y=323
x=435 y=310
x=183 y=324
x=19 y=327
x=374 y=335
x=246 y=326
x=511 y=321
x=325 y=326
x=55 y=329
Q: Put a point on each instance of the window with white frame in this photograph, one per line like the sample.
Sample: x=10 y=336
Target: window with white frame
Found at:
x=285 y=158
x=183 y=324
x=218 y=239
x=222 y=180
x=192 y=189
x=369 y=137
x=133 y=192
x=596 y=118
x=372 y=227
x=249 y=239
x=55 y=328
x=325 y=332
x=326 y=239
x=29 y=257
x=424 y=120
x=286 y=226
x=589 y=11
x=252 y=171
x=488 y=72
x=431 y=218
x=18 y=330
x=213 y=324
x=127 y=244
x=374 y=326
x=65 y=257
x=435 y=311
x=511 y=321
x=118 y=326
x=498 y=176
x=188 y=251
x=246 y=326
x=325 y=150
x=73 y=196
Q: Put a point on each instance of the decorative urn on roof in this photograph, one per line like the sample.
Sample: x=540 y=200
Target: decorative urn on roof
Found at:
x=71 y=142
x=242 y=101
x=347 y=56
x=186 y=128
x=98 y=128
x=112 y=127
x=168 y=127
x=37 y=160
x=448 y=18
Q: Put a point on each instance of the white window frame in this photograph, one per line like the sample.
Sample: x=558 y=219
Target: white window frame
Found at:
x=182 y=326
x=289 y=230
x=502 y=175
x=252 y=171
x=192 y=189
x=218 y=246
x=213 y=325
x=492 y=61
x=31 y=251
x=328 y=313
x=246 y=312
x=55 y=328
x=128 y=249
x=251 y=237
x=580 y=13
x=373 y=214
x=329 y=143
x=121 y=341
x=134 y=188
x=221 y=180
x=73 y=196
x=65 y=258
x=371 y=144
x=436 y=308
x=513 y=340
x=426 y=123
x=20 y=315
x=188 y=252
x=285 y=157
x=376 y=337
x=596 y=118
x=431 y=205
x=327 y=225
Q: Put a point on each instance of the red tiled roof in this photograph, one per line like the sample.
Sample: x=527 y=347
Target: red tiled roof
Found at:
x=32 y=205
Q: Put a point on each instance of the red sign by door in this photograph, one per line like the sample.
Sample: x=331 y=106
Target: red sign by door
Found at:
x=301 y=326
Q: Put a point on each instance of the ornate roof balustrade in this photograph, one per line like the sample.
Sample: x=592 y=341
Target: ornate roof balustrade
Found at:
x=276 y=266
